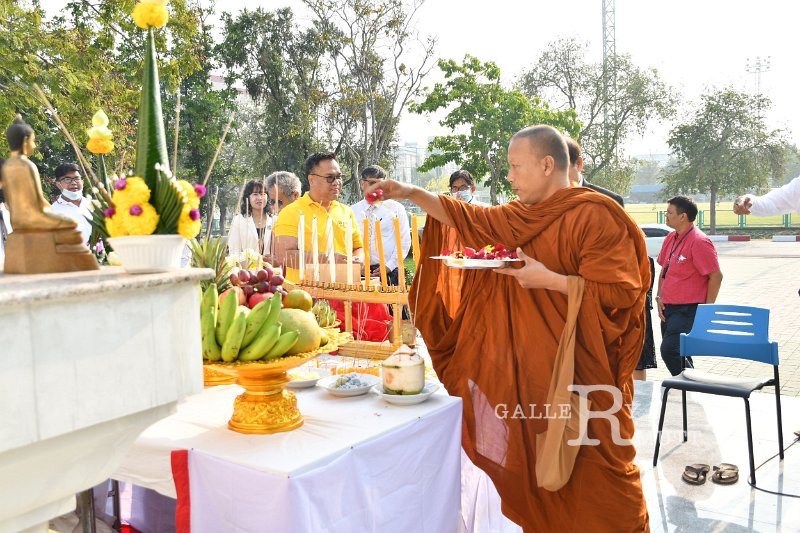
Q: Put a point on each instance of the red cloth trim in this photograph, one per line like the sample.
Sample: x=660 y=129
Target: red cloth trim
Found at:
x=180 y=476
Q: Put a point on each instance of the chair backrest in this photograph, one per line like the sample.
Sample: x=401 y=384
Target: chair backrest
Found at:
x=731 y=331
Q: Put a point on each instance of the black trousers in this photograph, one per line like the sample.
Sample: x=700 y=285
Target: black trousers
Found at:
x=679 y=319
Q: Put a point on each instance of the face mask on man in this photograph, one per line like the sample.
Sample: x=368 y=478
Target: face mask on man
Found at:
x=464 y=195
x=72 y=195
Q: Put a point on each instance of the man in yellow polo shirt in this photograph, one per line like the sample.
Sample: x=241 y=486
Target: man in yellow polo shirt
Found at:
x=325 y=181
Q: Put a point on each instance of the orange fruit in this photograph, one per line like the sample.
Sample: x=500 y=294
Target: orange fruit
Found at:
x=298 y=299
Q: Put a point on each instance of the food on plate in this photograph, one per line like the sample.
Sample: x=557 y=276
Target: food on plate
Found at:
x=403 y=372
x=497 y=251
x=303 y=375
x=349 y=381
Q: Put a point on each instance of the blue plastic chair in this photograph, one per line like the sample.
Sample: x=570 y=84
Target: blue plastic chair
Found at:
x=727 y=331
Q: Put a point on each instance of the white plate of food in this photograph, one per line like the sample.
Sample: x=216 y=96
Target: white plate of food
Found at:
x=351 y=384
x=304 y=378
x=467 y=263
x=407 y=399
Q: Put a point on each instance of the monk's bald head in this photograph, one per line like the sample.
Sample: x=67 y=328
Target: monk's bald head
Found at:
x=537 y=163
x=546 y=140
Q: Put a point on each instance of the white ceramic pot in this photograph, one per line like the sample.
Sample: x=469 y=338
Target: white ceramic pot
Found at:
x=141 y=254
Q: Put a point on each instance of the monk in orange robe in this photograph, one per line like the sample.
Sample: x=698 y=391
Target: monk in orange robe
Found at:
x=497 y=345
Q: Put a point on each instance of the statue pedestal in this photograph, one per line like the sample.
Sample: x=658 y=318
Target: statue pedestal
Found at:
x=90 y=359
x=39 y=252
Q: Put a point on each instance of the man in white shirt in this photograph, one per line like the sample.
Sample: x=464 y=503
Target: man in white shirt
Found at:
x=5 y=223
x=777 y=202
x=71 y=201
x=385 y=211
x=462 y=186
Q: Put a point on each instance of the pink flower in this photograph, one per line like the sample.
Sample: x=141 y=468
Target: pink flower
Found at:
x=99 y=248
x=136 y=210
x=194 y=214
x=200 y=190
x=120 y=184
x=110 y=212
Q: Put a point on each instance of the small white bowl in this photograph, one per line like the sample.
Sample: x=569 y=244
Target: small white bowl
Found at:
x=306 y=383
x=329 y=382
x=407 y=399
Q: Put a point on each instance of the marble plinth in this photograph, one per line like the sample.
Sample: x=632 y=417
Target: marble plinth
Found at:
x=87 y=361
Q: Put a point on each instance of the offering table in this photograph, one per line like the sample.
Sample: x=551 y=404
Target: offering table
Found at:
x=356 y=464
x=89 y=360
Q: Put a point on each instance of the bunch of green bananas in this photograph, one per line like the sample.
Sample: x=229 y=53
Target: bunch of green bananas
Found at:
x=325 y=316
x=232 y=334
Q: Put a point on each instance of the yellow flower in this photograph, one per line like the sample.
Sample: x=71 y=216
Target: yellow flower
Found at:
x=150 y=14
x=100 y=146
x=191 y=195
x=115 y=226
x=130 y=191
x=99 y=134
x=189 y=222
x=140 y=219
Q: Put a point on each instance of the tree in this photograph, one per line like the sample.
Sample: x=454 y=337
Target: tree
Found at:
x=85 y=58
x=483 y=116
x=725 y=148
x=378 y=63
x=563 y=77
x=281 y=67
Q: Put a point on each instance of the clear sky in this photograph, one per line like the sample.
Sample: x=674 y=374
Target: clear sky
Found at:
x=694 y=44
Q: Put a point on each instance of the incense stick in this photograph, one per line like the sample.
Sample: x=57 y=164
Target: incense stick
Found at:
x=177 y=132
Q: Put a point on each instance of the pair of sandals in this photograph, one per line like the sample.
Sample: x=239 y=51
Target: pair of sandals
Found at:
x=724 y=474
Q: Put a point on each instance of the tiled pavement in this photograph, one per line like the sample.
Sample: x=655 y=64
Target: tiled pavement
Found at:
x=763 y=274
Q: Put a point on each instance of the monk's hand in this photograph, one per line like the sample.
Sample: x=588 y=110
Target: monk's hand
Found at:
x=534 y=275
x=391 y=189
x=742 y=205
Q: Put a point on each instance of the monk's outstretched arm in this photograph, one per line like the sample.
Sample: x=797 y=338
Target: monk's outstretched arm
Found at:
x=427 y=201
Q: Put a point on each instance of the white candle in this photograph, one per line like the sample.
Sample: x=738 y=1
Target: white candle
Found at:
x=315 y=248
x=301 y=245
x=329 y=250
x=348 y=242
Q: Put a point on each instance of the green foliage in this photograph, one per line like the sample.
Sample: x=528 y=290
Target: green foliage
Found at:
x=211 y=252
x=488 y=114
x=609 y=115
x=725 y=148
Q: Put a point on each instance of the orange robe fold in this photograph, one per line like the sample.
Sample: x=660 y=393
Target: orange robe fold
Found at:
x=493 y=343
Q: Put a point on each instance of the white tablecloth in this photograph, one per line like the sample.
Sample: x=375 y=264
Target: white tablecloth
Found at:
x=357 y=464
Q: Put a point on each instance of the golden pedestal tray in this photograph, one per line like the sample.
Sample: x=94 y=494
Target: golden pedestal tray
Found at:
x=266 y=406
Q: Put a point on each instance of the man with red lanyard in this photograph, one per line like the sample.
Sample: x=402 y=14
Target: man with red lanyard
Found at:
x=690 y=275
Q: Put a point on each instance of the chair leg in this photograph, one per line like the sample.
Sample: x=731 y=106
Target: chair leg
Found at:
x=660 y=426
x=685 y=427
x=86 y=510
x=780 y=415
x=750 y=441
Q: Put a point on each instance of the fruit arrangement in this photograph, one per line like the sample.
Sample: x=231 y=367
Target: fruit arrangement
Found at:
x=498 y=251
x=374 y=196
x=234 y=332
x=325 y=315
x=255 y=286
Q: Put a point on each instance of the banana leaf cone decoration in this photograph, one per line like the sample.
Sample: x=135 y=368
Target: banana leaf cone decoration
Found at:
x=152 y=162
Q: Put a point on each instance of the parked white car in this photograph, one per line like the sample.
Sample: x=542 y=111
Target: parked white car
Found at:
x=654 y=235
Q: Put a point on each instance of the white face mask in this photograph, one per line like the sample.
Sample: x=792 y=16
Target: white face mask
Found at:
x=72 y=195
x=465 y=195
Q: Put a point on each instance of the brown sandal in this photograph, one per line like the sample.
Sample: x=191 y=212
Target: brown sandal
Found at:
x=695 y=474
x=725 y=474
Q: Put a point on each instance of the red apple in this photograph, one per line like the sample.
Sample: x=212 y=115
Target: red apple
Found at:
x=257 y=298
x=239 y=295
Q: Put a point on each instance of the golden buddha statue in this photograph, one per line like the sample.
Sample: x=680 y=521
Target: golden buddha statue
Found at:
x=41 y=241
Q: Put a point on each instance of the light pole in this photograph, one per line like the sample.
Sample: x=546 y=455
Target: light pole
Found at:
x=756 y=67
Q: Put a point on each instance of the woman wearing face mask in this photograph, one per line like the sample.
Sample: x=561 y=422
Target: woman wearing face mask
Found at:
x=251 y=228
x=462 y=186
